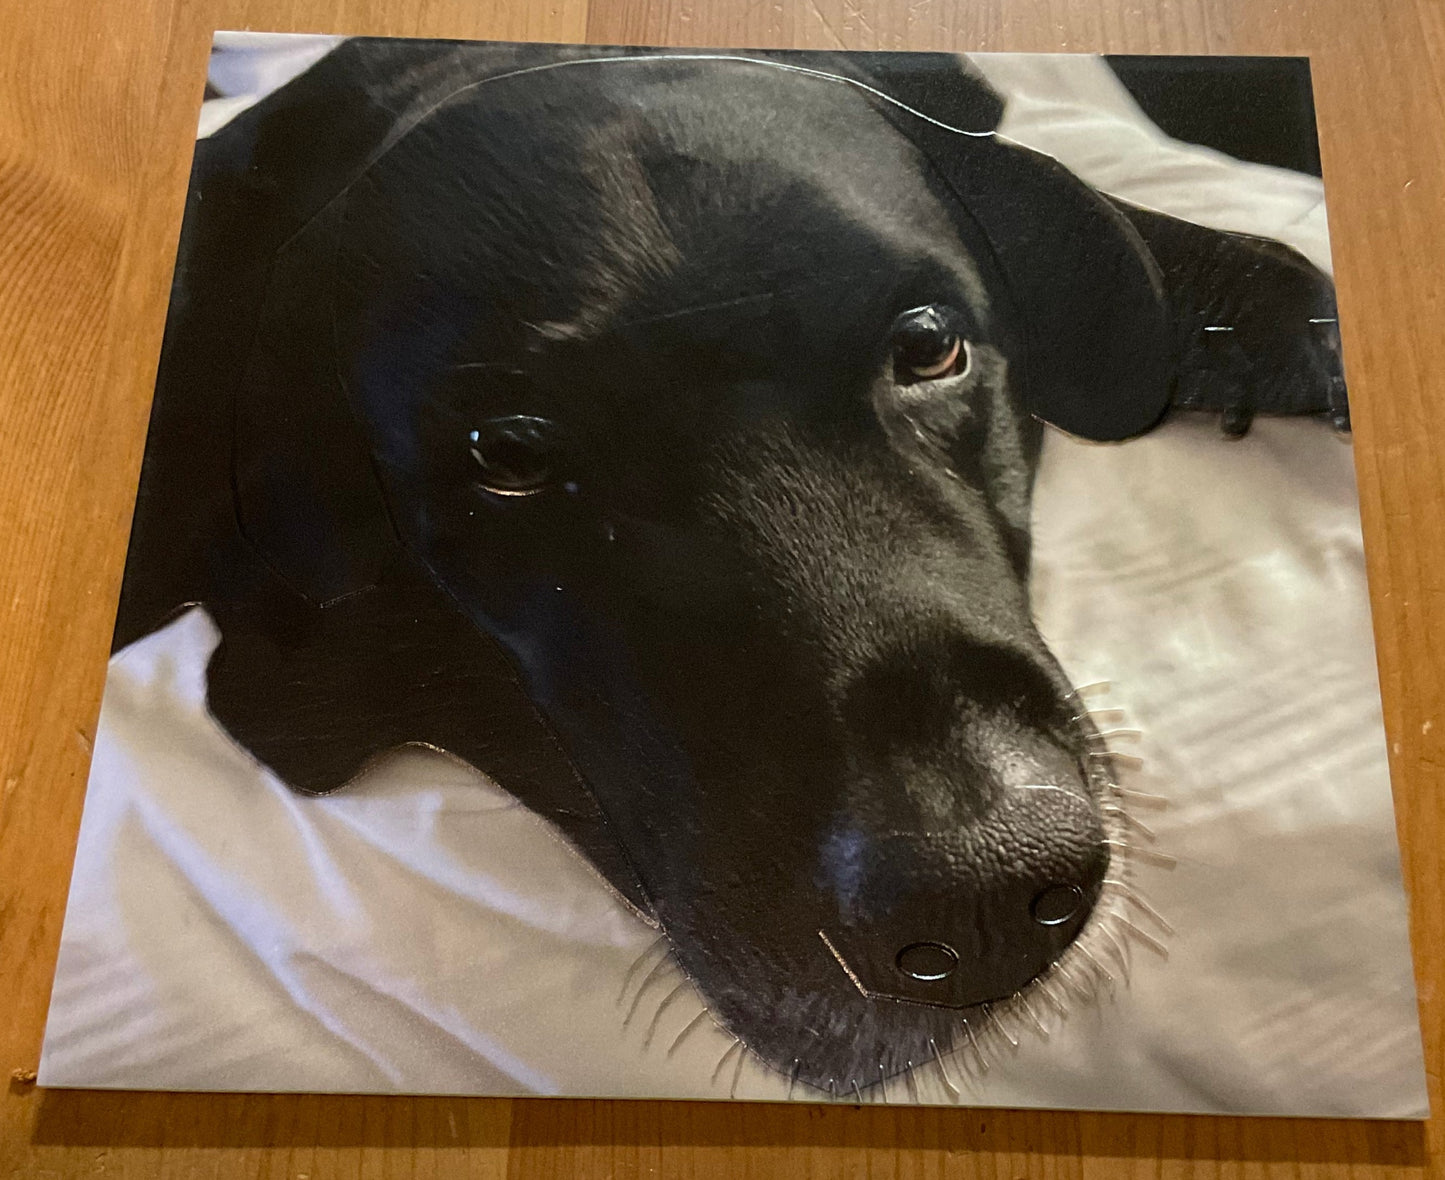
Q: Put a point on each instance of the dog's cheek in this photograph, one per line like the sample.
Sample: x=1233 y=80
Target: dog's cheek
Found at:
x=998 y=452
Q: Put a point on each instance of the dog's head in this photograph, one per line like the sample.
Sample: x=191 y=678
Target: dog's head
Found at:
x=708 y=391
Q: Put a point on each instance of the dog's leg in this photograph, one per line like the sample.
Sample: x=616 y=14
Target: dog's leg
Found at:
x=1255 y=326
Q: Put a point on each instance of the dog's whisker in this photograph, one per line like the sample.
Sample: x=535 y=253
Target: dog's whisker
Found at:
x=1143 y=936
x=1046 y=989
x=661 y=965
x=1027 y=1005
x=1119 y=946
x=738 y=1071
x=687 y=1028
x=943 y=1070
x=1141 y=798
x=793 y=1076
x=857 y=1093
x=661 y=940
x=1108 y=714
x=1116 y=757
x=1092 y=687
x=1134 y=898
x=973 y=1041
x=1075 y=984
x=723 y=1060
x=882 y=1084
x=1122 y=732
x=661 y=1008
x=1138 y=825
x=1163 y=860
x=912 y=1083
x=1098 y=966
x=992 y=1018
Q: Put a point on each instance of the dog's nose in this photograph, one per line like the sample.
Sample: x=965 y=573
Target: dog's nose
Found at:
x=959 y=919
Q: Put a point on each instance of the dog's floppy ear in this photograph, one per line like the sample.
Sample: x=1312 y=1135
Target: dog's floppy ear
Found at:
x=1098 y=354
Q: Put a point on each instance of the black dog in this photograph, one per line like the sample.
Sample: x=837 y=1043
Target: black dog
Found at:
x=656 y=433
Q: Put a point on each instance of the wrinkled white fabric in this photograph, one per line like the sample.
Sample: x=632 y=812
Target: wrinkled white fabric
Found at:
x=245 y=67
x=422 y=932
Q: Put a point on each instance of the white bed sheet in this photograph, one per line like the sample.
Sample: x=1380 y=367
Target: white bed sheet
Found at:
x=421 y=932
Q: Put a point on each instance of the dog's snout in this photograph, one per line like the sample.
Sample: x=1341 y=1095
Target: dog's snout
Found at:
x=971 y=917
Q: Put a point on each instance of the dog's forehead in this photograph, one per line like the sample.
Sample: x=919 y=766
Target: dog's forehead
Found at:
x=657 y=192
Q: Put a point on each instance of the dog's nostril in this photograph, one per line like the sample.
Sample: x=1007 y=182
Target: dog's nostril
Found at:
x=927 y=961
x=1057 y=904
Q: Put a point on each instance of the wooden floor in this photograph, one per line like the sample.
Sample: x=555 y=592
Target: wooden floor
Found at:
x=97 y=110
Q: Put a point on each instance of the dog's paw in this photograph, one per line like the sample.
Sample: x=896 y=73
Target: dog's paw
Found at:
x=1265 y=341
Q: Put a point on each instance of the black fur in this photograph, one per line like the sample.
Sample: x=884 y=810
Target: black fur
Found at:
x=761 y=647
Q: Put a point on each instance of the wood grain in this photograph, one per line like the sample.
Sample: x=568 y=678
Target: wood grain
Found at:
x=97 y=110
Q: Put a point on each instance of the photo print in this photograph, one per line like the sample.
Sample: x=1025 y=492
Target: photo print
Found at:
x=763 y=575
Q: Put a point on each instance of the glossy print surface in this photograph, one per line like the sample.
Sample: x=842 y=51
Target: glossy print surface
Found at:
x=656 y=433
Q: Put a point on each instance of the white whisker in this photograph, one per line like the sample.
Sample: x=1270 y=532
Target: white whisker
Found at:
x=1147 y=939
x=992 y=1017
x=1141 y=798
x=687 y=1028
x=1120 y=948
x=723 y=1060
x=1100 y=715
x=661 y=1008
x=977 y=1052
x=738 y=1071
x=662 y=964
x=1026 y=1004
x=1133 y=897
x=943 y=1070
x=1163 y=860
x=1098 y=966
x=1050 y=993
x=1076 y=985
x=1116 y=756
x=1138 y=825
x=661 y=940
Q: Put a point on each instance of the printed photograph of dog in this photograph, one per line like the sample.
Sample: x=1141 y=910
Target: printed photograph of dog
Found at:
x=726 y=574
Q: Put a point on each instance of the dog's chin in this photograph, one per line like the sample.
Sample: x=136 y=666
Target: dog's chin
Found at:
x=841 y=1043
x=800 y=1011
x=834 y=1040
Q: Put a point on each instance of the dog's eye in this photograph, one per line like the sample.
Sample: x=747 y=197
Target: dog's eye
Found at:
x=929 y=343
x=517 y=454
